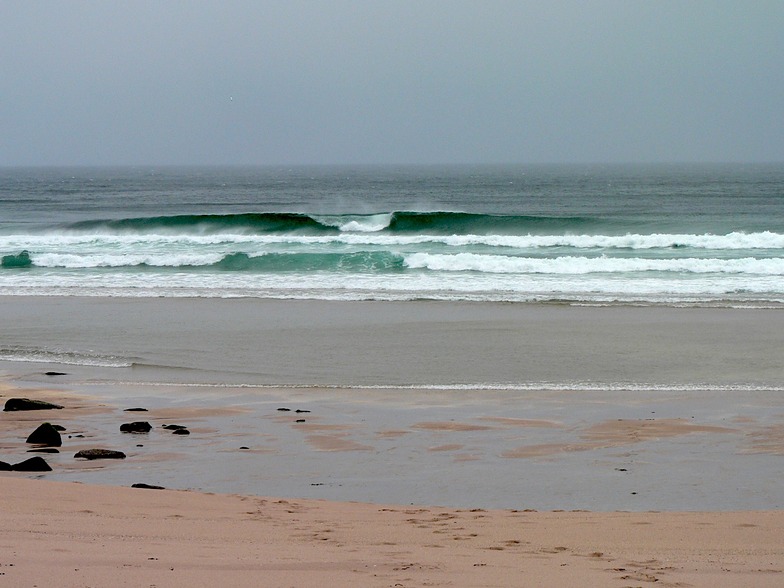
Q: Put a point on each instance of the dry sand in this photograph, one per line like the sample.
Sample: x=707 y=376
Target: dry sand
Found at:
x=86 y=535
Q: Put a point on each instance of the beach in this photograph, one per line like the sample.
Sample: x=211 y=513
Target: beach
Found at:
x=376 y=433
x=86 y=535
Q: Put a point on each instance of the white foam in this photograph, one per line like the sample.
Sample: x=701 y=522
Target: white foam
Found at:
x=578 y=265
x=95 y=260
x=359 y=224
x=363 y=230
x=19 y=354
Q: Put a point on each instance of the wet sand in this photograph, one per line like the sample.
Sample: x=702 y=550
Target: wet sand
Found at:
x=542 y=450
x=693 y=421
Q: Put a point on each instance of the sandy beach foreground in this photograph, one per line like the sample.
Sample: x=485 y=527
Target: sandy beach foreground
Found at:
x=86 y=535
x=617 y=447
x=90 y=534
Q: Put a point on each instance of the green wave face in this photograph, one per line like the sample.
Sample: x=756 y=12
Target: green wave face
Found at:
x=463 y=223
x=206 y=223
x=16 y=261
x=439 y=223
x=356 y=262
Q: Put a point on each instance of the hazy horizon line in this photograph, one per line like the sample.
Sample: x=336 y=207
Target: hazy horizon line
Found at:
x=388 y=164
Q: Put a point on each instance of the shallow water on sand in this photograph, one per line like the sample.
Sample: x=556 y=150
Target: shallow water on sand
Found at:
x=541 y=450
x=414 y=344
x=514 y=406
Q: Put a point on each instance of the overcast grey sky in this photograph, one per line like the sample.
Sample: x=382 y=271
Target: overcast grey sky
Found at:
x=340 y=81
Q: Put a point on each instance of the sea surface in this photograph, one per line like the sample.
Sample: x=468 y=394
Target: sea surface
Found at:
x=454 y=335
x=673 y=235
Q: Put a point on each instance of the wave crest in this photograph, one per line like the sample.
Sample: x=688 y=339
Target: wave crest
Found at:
x=437 y=222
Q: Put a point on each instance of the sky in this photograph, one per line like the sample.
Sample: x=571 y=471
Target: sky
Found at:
x=372 y=82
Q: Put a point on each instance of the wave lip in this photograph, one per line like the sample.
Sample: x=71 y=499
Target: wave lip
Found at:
x=350 y=223
x=201 y=224
x=438 y=222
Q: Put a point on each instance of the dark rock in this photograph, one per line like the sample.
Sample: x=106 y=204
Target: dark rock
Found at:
x=55 y=374
x=284 y=409
x=300 y=421
x=59 y=427
x=45 y=434
x=136 y=427
x=181 y=432
x=44 y=450
x=174 y=427
x=147 y=486
x=5 y=466
x=34 y=464
x=100 y=454
x=244 y=447
x=13 y=404
x=135 y=410
x=299 y=410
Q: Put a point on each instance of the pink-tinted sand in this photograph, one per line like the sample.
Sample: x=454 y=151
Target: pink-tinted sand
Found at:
x=72 y=534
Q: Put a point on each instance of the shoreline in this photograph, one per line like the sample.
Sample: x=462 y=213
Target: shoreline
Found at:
x=376 y=344
x=348 y=482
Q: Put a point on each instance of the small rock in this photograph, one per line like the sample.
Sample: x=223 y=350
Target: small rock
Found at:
x=55 y=374
x=100 y=454
x=300 y=421
x=13 y=404
x=299 y=410
x=44 y=450
x=135 y=410
x=284 y=409
x=147 y=486
x=45 y=434
x=136 y=427
x=244 y=447
x=181 y=432
x=34 y=464
x=174 y=427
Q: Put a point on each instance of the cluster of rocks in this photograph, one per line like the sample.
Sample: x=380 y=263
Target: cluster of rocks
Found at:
x=46 y=437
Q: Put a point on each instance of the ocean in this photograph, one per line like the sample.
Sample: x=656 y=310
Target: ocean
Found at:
x=587 y=337
x=674 y=235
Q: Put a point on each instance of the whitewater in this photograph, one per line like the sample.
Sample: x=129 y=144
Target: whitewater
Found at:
x=584 y=235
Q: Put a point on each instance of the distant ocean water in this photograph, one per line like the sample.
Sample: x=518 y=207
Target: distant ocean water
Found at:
x=659 y=234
